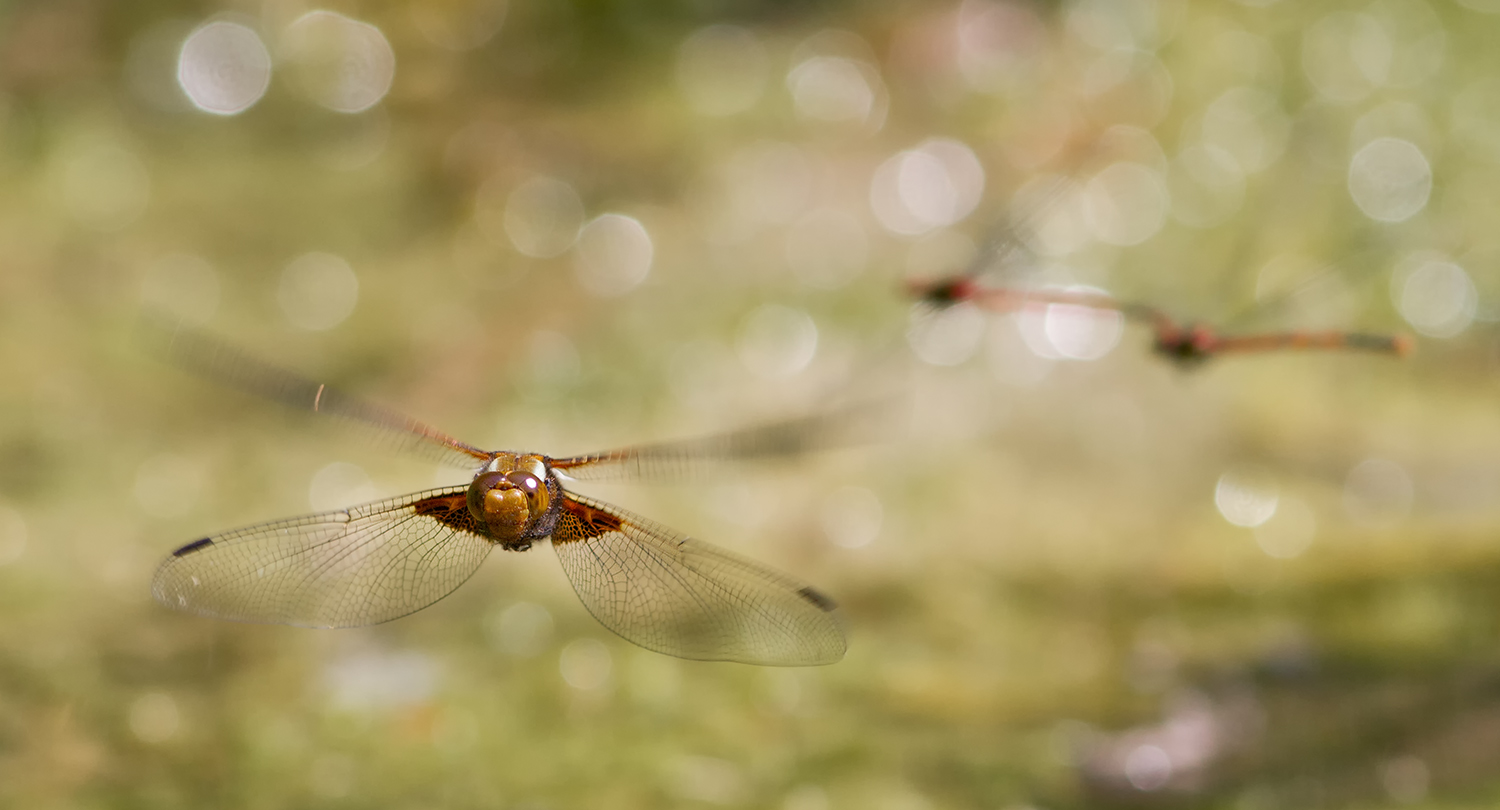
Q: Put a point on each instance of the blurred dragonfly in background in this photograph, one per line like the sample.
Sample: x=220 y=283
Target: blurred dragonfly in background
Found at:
x=1186 y=344
x=380 y=561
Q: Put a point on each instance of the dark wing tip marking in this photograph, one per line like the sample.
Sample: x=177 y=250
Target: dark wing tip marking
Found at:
x=819 y=600
x=196 y=545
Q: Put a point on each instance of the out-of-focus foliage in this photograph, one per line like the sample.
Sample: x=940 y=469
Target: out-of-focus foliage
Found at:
x=1082 y=578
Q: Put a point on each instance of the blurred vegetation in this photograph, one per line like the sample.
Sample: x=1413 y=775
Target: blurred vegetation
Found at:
x=1053 y=612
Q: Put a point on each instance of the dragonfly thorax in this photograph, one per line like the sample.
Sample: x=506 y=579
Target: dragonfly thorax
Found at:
x=512 y=498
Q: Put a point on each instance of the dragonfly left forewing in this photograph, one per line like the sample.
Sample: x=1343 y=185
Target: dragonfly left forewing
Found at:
x=675 y=595
x=689 y=459
x=359 y=566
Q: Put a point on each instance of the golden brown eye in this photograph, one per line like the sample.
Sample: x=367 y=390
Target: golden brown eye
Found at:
x=536 y=491
x=507 y=503
x=496 y=502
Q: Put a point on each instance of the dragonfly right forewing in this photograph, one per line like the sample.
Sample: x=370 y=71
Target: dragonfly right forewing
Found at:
x=678 y=596
x=210 y=357
x=359 y=566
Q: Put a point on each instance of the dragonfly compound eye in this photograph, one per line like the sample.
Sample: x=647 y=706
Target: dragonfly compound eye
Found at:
x=536 y=491
x=501 y=504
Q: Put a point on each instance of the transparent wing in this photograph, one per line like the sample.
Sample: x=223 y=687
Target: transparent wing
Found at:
x=213 y=358
x=363 y=565
x=693 y=458
x=675 y=595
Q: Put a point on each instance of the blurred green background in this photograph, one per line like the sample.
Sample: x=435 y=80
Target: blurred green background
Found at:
x=1081 y=578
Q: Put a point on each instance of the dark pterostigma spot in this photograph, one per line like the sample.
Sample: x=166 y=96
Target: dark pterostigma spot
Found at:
x=823 y=603
x=192 y=547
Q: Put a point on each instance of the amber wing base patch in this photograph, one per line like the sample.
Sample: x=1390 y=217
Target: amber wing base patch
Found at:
x=579 y=521
x=451 y=511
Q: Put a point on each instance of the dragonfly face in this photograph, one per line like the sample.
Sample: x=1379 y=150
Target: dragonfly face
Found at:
x=515 y=498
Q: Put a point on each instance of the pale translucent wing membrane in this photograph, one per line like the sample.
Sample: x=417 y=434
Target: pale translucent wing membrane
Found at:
x=227 y=365
x=675 y=595
x=1014 y=299
x=691 y=459
x=1009 y=236
x=1283 y=303
x=359 y=566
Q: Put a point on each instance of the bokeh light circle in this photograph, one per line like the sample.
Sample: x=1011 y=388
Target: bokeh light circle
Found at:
x=1390 y=179
x=343 y=64
x=997 y=44
x=1071 y=331
x=317 y=291
x=586 y=664
x=832 y=88
x=777 y=341
x=1249 y=124
x=1246 y=496
x=851 y=517
x=1407 y=779
x=1346 y=55
x=155 y=718
x=224 y=68
x=1148 y=768
x=613 y=255
x=459 y=25
x=543 y=216
x=1289 y=532
x=1436 y=296
x=933 y=186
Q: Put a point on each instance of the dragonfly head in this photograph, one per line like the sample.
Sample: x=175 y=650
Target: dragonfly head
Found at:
x=509 y=499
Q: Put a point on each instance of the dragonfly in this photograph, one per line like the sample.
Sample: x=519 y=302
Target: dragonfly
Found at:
x=1186 y=344
x=380 y=561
